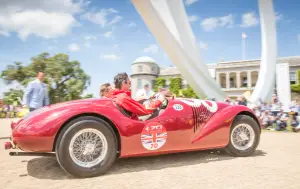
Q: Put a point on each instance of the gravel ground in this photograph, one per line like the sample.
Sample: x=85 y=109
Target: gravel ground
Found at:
x=275 y=164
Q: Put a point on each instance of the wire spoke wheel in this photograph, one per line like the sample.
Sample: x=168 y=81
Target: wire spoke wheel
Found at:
x=88 y=147
x=242 y=136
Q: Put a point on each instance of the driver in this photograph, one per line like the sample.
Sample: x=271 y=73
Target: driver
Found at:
x=121 y=95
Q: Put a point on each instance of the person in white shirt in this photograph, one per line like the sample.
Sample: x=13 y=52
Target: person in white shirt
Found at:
x=145 y=93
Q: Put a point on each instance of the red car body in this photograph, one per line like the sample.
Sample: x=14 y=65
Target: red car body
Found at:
x=189 y=126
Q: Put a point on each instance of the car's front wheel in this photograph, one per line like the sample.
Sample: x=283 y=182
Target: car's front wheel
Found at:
x=244 y=136
x=86 y=147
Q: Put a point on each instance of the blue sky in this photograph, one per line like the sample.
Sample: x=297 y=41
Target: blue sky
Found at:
x=107 y=36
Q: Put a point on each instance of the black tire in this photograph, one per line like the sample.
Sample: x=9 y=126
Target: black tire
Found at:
x=230 y=149
x=64 y=139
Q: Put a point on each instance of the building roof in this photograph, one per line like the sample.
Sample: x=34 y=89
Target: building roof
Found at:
x=144 y=59
x=172 y=70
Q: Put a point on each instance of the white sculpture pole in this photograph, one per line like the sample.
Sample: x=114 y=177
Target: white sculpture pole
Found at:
x=266 y=76
x=168 y=22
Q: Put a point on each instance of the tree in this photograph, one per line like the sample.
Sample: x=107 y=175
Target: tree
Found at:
x=12 y=97
x=189 y=92
x=65 y=79
x=296 y=87
x=159 y=83
x=88 y=96
x=175 y=85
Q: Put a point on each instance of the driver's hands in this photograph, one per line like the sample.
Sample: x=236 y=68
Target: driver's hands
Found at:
x=161 y=97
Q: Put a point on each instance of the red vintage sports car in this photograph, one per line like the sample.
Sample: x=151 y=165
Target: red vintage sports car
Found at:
x=88 y=135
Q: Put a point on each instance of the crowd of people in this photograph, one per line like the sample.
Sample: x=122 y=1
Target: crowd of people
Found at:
x=273 y=115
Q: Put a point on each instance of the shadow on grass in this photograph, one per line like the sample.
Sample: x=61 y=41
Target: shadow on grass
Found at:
x=48 y=167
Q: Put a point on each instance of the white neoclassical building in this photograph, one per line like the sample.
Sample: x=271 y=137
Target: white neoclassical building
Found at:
x=235 y=77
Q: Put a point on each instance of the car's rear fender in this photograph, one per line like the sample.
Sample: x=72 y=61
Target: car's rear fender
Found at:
x=222 y=120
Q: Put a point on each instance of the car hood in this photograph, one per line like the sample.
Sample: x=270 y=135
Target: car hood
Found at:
x=68 y=104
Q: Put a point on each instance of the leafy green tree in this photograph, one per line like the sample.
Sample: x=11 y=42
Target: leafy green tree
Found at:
x=175 y=85
x=296 y=87
x=13 y=96
x=189 y=92
x=66 y=80
x=298 y=74
x=88 y=96
x=159 y=82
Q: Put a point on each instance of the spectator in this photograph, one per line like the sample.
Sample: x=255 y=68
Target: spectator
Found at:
x=242 y=101
x=297 y=128
x=281 y=121
x=36 y=94
x=266 y=119
x=145 y=93
x=105 y=90
x=294 y=122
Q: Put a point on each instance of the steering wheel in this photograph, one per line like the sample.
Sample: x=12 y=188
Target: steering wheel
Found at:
x=164 y=103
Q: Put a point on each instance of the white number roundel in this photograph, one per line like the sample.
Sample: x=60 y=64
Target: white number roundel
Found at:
x=178 y=107
x=197 y=103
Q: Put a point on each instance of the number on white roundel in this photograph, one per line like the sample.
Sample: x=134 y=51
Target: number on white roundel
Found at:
x=178 y=107
x=153 y=136
x=197 y=103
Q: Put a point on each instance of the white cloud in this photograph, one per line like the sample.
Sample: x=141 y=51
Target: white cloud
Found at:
x=193 y=18
x=203 y=45
x=226 y=21
x=110 y=57
x=115 y=20
x=4 y=33
x=102 y=17
x=189 y=2
x=88 y=39
x=153 y=48
x=73 y=47
x=131 y=25
x=108 y=34
x=249 y=19
x=209 y=24
x=47 y=19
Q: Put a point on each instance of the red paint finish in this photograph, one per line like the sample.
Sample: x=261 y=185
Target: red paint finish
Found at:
x=188 y=127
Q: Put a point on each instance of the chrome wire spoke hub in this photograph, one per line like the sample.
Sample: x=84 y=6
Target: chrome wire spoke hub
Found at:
x=88 y=147
x=242 y=136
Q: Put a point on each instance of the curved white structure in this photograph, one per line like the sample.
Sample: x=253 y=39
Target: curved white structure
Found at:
x=266 y=77
x=168 y=22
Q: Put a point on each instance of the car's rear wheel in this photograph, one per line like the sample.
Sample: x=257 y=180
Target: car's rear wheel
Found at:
x=244 y=136
x=86 y=147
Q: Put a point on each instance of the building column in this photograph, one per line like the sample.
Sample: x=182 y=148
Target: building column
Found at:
x=249 y=80
x=238 y=79
x=227 y=80
x=218 y=78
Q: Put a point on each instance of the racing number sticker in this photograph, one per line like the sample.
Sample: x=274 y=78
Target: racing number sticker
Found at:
x=178 y=107
x=153 y=136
